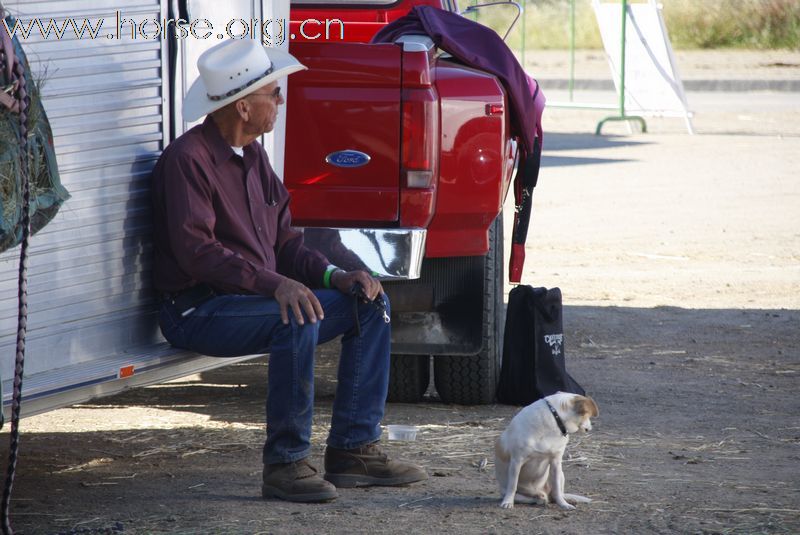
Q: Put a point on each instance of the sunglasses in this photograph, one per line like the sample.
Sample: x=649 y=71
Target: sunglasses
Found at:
x=274 y=94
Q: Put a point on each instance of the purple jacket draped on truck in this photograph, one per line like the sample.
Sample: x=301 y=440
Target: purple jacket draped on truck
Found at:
x=480 y=47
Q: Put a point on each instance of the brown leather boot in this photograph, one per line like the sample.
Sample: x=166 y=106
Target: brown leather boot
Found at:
x=296 y=482
x=366 y=466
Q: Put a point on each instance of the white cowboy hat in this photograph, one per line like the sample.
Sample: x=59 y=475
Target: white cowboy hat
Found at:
x=231 y=70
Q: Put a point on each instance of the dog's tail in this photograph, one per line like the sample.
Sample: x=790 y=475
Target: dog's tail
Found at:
x=576 y=498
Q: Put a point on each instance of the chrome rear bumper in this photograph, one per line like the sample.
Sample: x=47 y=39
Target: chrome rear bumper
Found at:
x=390 y=254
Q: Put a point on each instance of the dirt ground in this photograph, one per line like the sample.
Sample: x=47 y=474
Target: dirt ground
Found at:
x=679 y=260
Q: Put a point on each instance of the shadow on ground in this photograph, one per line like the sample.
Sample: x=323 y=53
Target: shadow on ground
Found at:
x=555 y=142
x=674 y=345
x=698 y=432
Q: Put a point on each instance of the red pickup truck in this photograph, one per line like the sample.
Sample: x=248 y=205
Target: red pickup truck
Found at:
x=412 y=150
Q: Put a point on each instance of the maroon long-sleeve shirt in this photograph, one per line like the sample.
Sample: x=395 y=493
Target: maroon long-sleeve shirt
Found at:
x=224 y=220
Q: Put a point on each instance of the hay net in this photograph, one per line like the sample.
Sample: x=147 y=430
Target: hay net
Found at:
x=46 y=192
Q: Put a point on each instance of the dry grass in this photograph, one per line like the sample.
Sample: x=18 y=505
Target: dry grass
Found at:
x=733 y=23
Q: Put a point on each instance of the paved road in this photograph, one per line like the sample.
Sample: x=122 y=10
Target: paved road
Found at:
x=715 y=112
x=730 y=91
x=721 y=208
x=731 y=70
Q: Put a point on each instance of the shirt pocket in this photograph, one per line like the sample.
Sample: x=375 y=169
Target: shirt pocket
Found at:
x=267 y=221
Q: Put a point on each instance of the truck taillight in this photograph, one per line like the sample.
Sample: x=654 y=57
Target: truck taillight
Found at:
x=420 y=155
x=420 y=136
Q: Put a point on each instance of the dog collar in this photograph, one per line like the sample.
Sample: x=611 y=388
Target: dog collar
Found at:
x=558 y=418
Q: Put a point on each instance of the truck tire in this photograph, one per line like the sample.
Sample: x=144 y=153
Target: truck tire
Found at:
x=409 y=376
x=472 y=379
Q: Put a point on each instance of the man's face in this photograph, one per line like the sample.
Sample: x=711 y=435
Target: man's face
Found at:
x=263 y=108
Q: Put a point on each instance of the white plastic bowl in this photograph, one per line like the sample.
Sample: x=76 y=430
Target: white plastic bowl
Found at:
x=403 y=432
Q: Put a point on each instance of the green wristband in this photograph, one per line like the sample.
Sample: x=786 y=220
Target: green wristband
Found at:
x=326 y=279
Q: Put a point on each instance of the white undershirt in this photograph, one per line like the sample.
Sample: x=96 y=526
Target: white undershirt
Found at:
x=238 y=150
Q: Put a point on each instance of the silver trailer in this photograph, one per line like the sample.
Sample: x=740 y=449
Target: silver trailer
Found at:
x=92 y=326
x=113 y=100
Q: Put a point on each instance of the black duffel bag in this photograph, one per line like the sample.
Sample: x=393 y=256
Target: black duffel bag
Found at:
x=533 y=348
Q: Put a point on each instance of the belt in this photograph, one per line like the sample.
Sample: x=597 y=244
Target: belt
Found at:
x=186 y=301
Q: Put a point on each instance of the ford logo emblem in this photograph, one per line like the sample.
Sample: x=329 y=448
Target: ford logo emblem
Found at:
x=347 y=158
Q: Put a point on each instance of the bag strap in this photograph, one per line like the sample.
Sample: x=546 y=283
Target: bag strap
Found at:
x=524 y=181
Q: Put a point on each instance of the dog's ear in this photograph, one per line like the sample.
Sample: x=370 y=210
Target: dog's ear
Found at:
x=585 y=406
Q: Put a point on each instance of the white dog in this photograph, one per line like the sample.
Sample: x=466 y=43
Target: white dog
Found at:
x=528 y=453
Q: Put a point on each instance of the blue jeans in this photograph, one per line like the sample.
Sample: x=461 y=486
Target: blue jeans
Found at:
x=233 y=325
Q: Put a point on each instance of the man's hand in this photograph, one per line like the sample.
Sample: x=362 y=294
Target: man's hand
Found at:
x=294 y=295
x=344 y=281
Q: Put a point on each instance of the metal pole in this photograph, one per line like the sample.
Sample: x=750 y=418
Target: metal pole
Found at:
x=622 y=116
x=571 y=48
x=622 y=59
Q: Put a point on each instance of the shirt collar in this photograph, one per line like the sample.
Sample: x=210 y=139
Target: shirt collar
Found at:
x=220 y=149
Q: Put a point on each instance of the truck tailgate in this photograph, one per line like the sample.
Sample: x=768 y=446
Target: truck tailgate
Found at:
x=343 y=134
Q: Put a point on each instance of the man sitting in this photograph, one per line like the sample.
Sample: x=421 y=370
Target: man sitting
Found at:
x=237 y=280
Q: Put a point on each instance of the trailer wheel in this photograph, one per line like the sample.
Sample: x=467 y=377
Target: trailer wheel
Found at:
x=409 y=376
x=472 y=380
